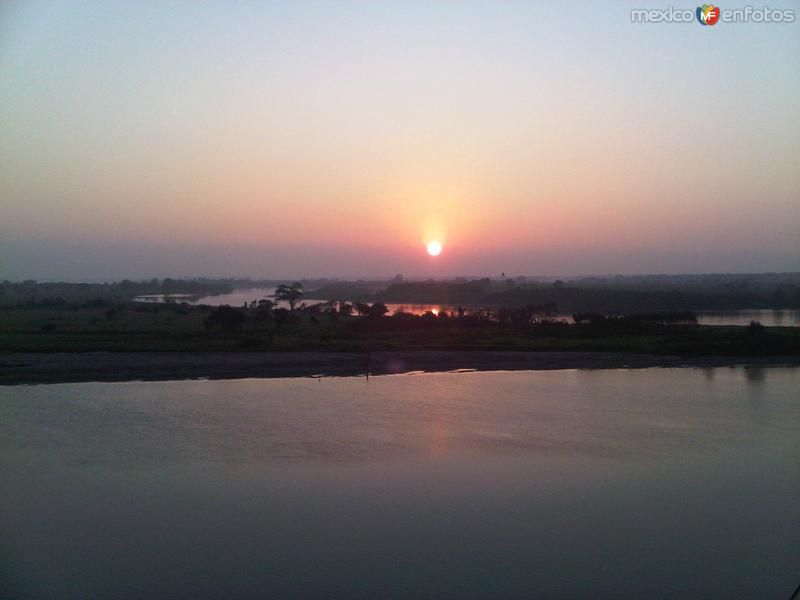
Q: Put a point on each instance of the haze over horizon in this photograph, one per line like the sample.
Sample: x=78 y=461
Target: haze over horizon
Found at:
x=109 y=263
x=160 y=139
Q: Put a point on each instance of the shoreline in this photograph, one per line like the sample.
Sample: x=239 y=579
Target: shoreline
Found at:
x=18 y=368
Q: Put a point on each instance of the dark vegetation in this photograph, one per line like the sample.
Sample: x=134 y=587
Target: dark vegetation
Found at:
x=576 y=296
x=74 y=295
x=284 y=322
x=612 y=295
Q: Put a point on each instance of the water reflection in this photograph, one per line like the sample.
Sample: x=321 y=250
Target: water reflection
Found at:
x=768 y=318
x=574 y=412
x=755 y=375
x=597 y=484
x=235 y=298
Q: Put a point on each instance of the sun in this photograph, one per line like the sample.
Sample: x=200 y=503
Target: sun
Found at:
x=434 y=248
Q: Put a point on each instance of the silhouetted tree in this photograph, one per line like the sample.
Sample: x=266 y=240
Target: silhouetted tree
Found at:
x=291 y=294
x=314 y=309
x=362 y=308
x=378 y=309
x=345 y=308
x=266 y=304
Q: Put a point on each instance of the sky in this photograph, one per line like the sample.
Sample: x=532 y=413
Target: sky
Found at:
x=299 y=139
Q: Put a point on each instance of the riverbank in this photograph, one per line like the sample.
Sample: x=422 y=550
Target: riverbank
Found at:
x=35 y=368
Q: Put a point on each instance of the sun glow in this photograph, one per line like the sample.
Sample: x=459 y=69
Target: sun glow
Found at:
x=434 y=248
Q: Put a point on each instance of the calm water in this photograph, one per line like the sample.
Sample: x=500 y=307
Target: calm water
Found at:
x=234 y=298
x=768 y=318
x=581 y=484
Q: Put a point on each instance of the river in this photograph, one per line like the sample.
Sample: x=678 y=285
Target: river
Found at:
x=654 y=483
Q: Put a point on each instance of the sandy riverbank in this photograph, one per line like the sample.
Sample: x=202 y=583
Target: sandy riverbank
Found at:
x=30 y=368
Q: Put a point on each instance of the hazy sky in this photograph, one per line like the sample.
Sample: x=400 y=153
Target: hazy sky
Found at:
x=162 y=138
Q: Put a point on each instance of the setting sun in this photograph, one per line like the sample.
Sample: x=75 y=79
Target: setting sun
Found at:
x=259 y=195
x=434 y=248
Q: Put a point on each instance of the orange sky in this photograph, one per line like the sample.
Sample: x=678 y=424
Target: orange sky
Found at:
x=521 y=141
